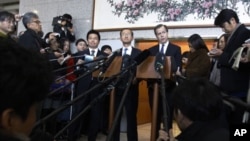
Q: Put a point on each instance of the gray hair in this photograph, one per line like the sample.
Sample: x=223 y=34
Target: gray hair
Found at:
x=27 y=17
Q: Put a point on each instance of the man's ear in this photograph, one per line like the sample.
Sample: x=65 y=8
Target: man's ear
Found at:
x=6 y=119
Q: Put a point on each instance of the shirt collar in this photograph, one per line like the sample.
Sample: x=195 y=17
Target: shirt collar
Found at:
x=95 y=49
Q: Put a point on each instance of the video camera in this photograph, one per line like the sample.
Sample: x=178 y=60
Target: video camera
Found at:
x=59 y=19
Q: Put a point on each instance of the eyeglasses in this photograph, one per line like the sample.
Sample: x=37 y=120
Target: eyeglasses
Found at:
x=36 y=21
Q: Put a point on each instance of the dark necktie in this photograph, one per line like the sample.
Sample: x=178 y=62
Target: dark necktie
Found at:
x=92 y=53
x=125 y=51
x=162 y=49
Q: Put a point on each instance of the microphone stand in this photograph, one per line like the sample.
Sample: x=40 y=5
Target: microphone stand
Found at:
x=110 y=135
x=85 y=63
x=106 y=91
x=165 y=107
x=82 y=76
x=63 y=107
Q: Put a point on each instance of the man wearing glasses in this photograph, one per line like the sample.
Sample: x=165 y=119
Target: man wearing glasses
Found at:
x=30 y=38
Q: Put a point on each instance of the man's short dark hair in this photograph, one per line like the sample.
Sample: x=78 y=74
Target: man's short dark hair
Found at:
x=94 y=32
x=25 y=79
x=5 y=15
x=132 y=33
x=224 y=16
x=67 y=16
x=159 y=26
x=198 y=99
x=80 y=40
x=105 y=47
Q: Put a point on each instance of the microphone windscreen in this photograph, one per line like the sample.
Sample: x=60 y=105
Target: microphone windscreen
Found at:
x=108 y=62
x=142 y=56
x=159 y=61
x=88 y=58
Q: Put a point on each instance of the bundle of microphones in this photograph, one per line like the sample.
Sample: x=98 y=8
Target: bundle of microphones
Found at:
x=105 y=61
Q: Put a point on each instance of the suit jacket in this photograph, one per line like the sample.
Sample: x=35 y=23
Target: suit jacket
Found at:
x=234 y=81
x=84 y=83
x=172 y=50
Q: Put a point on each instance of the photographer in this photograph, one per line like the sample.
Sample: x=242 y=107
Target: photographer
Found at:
x=64 y=26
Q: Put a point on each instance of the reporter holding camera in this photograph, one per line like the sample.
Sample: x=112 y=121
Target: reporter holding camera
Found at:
x=64 y=27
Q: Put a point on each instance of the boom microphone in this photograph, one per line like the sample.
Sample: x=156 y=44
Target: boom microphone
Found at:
x=142 y=56
x=91 y=61
x=106 y=64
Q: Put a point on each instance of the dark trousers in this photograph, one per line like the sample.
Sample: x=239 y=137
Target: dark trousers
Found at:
x=96 y=112
x=131 y=106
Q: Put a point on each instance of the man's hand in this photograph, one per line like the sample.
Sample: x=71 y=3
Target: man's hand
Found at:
x=164 y=136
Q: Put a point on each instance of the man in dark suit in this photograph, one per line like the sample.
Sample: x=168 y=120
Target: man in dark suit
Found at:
x=131 y=101
x=174 y=51
x=83 y=84
x=235 y=83
x=30 y=38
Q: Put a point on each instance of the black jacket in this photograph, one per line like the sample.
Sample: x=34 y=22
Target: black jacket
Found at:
x=31 y=40
x=233 y=81
x=204 y=131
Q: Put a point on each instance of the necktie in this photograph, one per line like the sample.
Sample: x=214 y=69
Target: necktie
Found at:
x=92 y=53
x=162 y=49
x=125 y=51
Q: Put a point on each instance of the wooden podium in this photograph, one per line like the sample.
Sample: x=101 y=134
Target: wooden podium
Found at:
x=114 y=68
x=146 y=70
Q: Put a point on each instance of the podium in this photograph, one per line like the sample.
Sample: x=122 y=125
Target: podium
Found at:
x=113 y=68
x=146 y=70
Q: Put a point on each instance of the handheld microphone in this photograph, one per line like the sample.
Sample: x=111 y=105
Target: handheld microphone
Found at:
x=159 y=62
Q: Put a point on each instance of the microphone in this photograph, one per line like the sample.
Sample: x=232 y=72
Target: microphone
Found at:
x=91 y=61
x=159 y=61
x=136 y=61
x=142 y=56
x=106 y=64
